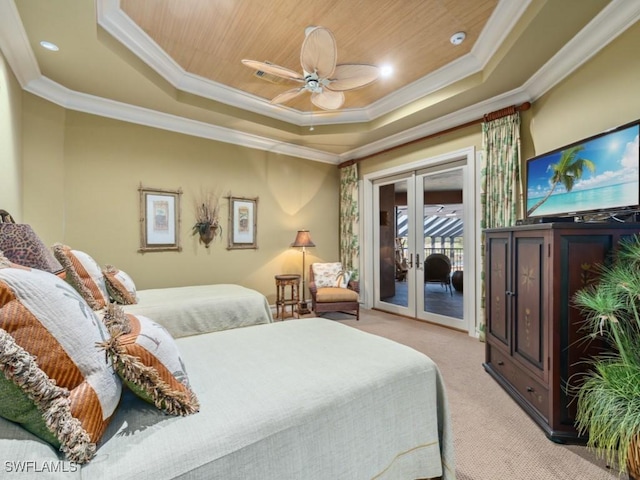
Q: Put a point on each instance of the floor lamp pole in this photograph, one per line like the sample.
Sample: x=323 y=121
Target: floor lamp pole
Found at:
x=303 y=303
x=303 y=240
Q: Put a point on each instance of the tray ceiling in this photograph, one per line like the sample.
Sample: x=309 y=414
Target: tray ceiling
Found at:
x=176 y=65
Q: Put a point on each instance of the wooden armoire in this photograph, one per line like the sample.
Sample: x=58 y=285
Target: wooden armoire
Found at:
x=535 y=340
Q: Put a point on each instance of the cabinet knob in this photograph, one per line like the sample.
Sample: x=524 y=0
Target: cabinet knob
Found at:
x=500 y=362
x=530 y=389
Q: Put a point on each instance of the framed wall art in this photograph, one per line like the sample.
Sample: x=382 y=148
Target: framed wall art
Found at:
x=243 y=223
x=159 y=220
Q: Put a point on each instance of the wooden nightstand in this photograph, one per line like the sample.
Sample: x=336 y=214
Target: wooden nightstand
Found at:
x=282 y=300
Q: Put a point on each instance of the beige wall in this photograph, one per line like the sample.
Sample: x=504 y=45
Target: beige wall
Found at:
x=600 y=95
x=82 y=172
x=10 y=141
x=85 y=172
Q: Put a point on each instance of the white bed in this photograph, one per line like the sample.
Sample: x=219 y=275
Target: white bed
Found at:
x=197 y=309
x=304 y=399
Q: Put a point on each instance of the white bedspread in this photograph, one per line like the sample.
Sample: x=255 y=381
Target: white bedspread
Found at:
x=303 y=399
x=307 y=399
x=193 y=310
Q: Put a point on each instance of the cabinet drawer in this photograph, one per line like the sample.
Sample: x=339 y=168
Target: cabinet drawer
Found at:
x=534 y=392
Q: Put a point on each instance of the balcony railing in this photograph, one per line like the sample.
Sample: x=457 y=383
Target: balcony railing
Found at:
x=456 y=255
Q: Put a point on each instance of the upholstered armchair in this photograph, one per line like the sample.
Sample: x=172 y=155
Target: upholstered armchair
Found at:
x=332 y=290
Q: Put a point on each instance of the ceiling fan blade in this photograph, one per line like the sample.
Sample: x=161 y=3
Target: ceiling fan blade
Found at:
x=328 y=100
x=319 y=53
x=273 y=69
x=288 y=95
x=351 y=75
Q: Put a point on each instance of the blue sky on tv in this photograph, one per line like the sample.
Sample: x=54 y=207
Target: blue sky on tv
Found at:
x=615 y=156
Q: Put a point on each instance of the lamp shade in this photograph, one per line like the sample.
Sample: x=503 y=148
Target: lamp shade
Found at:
x=21 y=245
x=303 y=239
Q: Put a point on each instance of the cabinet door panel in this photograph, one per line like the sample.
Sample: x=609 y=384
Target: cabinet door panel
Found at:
x=529 y=320
x=497 y=285
x=580 y=256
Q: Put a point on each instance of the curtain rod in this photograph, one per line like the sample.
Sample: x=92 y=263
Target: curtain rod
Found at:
x=485 y=118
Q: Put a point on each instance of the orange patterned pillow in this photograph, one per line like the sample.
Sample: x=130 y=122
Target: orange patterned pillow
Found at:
x=120 y=286
x=147 y=359
x=84 y=274
x=53 y=380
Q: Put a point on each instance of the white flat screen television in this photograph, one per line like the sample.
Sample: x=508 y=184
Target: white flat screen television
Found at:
x=597 y=175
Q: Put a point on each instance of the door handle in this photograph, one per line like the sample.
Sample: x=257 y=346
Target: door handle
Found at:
x=410 y=260
x=418 y=264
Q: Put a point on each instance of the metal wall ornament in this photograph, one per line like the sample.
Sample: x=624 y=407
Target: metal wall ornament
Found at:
x=243 y=223
x=159 y=220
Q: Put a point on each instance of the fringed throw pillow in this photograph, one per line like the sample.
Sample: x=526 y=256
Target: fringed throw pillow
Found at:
x=84 y=274
x=54 y=381
x=147 y=359
x=120 y=286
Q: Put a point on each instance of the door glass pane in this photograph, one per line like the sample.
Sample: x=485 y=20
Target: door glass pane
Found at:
x=442 y=240
x=393 y=234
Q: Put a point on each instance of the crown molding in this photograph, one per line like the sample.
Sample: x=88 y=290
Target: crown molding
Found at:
x=613 y=20
x=14 y=44
x=113 y=20
x=440 y=124
x=83 y=102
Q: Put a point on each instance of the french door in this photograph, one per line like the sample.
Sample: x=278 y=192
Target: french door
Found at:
x=419 y=238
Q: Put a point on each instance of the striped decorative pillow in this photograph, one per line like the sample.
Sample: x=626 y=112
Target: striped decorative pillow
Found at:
x=120 y=286
x=84 y=274
x=53 y=379
x=147 y=359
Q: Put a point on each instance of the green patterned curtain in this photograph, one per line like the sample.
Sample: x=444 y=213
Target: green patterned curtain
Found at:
x=349 y=217
x=500 y=195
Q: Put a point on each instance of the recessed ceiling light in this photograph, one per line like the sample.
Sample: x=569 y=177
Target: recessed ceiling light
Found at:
x=49 y=46
x=457 y=38
x=386 y=71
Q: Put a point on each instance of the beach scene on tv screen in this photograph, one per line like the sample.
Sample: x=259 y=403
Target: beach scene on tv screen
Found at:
x=598 y=174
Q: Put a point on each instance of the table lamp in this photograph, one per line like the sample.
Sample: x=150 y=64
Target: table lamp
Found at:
x=303 y=240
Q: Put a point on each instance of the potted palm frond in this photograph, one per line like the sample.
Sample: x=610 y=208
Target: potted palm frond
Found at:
x=207 y=218
x=608 y=395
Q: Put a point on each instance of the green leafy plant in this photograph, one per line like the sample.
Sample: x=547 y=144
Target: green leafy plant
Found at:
x=608 y=395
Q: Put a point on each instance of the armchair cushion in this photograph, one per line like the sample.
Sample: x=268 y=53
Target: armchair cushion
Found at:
x=336 y=294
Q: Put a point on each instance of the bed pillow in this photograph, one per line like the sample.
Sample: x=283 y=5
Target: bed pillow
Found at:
x=147 y=359
x=120 y=286
x=84 y=274
x=54 y=381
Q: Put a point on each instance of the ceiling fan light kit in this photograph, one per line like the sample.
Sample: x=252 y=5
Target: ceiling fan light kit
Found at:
x=322 y=77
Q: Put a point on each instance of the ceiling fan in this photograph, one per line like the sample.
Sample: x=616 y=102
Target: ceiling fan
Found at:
x=321 y=76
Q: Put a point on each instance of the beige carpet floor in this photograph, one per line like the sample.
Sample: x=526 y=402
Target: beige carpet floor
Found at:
x=494 y=437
